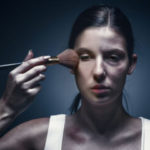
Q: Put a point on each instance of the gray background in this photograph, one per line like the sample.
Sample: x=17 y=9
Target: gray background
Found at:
x=45 y=26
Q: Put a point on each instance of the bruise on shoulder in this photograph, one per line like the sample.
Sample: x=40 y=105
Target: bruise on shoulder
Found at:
x=76 y=135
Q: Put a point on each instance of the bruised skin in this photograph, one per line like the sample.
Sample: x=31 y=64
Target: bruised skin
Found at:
x=103 y=61
x=99 y=41
x=90 y=128
x=101 y=118
x=78 y=137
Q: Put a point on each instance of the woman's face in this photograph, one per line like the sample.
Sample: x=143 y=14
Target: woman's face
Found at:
x=103 y=64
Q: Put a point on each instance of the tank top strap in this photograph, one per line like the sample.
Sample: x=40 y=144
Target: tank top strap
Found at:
x=55 y=132
x=145 y=145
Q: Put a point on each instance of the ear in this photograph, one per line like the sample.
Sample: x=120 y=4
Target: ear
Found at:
x=133 y=64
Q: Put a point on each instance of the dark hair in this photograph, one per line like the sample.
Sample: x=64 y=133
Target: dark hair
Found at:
x=100 y=16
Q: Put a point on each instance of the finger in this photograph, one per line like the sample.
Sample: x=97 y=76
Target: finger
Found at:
x=33 y=82
x=34 y=91
x=29 y=55
x=35 y=71
x=29 y=64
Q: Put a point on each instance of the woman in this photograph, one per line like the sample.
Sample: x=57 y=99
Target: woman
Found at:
x=102 y=37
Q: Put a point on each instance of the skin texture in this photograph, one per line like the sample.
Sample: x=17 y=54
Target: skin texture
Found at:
x=101 y=118
x=101 y=122
x=22 y=86
x=27 y=136
x=103 y=61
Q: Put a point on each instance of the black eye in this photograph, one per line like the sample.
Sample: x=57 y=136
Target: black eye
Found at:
x=114 y=57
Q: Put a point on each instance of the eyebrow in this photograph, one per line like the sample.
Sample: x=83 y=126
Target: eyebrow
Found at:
x=83 y=50
x=116 y=50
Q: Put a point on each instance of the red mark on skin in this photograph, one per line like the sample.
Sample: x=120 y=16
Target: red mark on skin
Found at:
x=76 y=135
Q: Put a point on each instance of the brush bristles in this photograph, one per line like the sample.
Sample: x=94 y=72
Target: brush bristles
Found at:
x=69 y=58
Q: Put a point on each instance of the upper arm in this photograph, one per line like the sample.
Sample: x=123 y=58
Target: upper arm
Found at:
x=29 y=135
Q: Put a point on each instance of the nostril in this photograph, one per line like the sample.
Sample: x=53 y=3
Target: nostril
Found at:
x=100 y=77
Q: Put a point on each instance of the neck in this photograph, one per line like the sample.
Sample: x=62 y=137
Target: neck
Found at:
x=103 y=119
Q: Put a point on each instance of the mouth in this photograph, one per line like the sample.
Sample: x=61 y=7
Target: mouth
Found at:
x=100 y=90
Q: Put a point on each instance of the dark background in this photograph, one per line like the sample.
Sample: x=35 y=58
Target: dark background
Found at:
x=44 y=26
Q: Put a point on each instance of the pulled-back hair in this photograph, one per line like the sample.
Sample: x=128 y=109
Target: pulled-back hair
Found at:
x=101 y=16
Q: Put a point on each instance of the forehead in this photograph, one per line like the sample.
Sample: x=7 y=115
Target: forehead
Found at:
x=100 y=38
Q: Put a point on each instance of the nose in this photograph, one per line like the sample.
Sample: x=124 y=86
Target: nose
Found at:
x=99 y=69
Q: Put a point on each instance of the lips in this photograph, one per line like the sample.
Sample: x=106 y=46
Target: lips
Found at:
x=99 y=86
x=100 y=89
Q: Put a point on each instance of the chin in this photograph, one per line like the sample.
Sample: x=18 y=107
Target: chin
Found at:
x=98 y=100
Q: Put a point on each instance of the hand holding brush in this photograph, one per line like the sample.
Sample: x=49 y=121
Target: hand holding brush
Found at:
x=23 y=81
x=68 y=58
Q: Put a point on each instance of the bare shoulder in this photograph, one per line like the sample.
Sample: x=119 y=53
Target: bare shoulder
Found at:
x=29 y=135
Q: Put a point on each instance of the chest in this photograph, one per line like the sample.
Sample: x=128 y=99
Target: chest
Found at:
x=79 y=141
x=95 y=145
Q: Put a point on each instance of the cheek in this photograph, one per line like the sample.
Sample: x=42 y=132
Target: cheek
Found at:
x=84 y=73
x=118 y=74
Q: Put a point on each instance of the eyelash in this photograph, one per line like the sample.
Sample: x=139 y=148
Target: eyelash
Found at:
x=110 y=58
x=85 y=57
x=114 y=57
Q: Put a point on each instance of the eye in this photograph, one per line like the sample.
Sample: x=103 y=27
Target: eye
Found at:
x=114 y=57
x=85 y=54
x=84 y=57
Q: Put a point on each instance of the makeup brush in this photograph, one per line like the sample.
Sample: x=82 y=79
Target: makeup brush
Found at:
x=68 y=58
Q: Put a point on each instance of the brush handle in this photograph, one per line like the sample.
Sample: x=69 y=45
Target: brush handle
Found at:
x=52 y=60
x=9 y=66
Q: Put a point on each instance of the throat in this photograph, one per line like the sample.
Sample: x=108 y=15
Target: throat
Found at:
x=102 y=120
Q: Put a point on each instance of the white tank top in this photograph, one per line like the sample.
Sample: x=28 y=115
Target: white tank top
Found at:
x=56 y=129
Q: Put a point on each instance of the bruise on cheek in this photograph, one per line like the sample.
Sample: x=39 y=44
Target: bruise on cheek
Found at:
x=122 y=69
x=75 y=135
x=119 y=70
